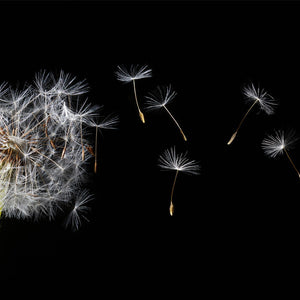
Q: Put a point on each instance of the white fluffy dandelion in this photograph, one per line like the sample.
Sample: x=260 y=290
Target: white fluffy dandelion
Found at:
x=256 y=96
x=278 y=143
x=159 y=98
x=44 y=148
x=170 y=160
x=135 y=72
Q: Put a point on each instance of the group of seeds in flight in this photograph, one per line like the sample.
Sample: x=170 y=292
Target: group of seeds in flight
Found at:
x=274 y=144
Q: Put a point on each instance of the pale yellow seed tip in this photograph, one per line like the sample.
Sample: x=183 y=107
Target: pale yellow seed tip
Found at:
x=82 y=153
x=184 y=137
x=142 y=116
x=171 y=209
x=232 y=138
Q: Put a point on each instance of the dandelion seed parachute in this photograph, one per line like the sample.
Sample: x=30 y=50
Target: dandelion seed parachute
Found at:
x=278 y=143
x=43 y=145
x=108 y=122
x=159 y=98
x=135 y=72
x=170 y=160
x=256 y=96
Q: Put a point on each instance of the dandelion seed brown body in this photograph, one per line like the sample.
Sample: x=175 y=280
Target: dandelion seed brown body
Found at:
x=172 y=192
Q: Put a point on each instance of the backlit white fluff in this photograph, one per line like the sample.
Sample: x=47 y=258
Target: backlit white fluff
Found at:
x=44 y=148
x=278 y=143
x=134 y=72
x=266 y=101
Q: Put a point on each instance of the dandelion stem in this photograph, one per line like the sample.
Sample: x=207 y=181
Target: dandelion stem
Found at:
x=288 y=156
x=171 y=209
x=137 y=104
x=240 y=124
x=81 y=139
x=66 y=141
x=37 y=151
x=31 y=129
x=181 y=131
x=96 y=142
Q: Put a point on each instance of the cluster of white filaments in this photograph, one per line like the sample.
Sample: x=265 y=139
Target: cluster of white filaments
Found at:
x=171 y=160
x=278 y=143
x=44 y=145
x=266 y=101
x=274 y=144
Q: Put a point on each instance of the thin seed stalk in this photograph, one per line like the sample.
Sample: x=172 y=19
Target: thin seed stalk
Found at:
x=240 y=124
x=180 y=129
x=81 y=138
x=137 y=103
x=171 y=208
x=96 y=150
x=288 y=156
x=4 y=189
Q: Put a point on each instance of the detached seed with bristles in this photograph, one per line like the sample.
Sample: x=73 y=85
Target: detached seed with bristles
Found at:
x=170 y=160
x=159 y=98
x=135 y=72
x=255 y=96
x=278 y=143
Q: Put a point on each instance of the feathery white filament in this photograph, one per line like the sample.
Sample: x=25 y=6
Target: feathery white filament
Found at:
x=160 y=97
x=274 y=144
x=170 y=160
x=134 y=72
x=278 y=143
x=79 y=210
x=266 y=101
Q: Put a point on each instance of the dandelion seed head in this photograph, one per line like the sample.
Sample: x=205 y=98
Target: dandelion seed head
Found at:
x=37 y=125
x=170 y=160
x=266 y=101
x=134 y=72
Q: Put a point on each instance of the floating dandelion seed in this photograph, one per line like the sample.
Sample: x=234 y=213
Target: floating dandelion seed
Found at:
x=278 y=143
x=43 y=145
x=134 y=73
x=160 y=98
x=170 y=160
x=108 y=122
x=267 y=104
x=79 y=210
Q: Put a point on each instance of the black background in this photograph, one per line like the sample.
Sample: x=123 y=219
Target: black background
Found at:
x=235 y=227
